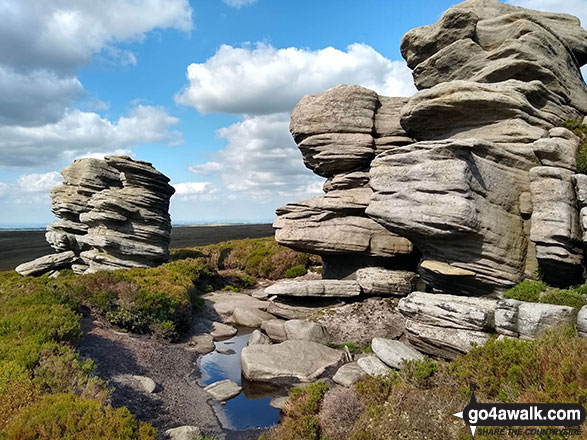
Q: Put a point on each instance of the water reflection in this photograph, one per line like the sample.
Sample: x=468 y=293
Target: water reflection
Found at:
x=250 y=409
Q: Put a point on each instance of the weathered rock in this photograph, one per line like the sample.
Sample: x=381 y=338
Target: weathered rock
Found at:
x=215 y=329
x=449 y=310
x=306 y=331
x=221 y=305
x=349 y=374
x=317 y=288
x=182 y=433
x=112 y=214
x=289 y=362
x=506 y=317
x=203 y=343
x=353 y=179
x=258 y=338
x=555 y=225
x=360 y=322
x=279 y=402
x=299 y=308
x=146 y=383
x=223 y=390
x=378 y=281
x=373 y=366
x=444 y=342
x=582 y=322
x=226 y=351
x=320 y=231
x=275 y=329
x=393 y=353
x=535 y=318
x=250 y=316
x=47 y=263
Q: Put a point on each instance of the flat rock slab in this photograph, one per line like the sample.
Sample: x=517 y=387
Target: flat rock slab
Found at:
x=373 y=366
x=289 y=362
x=250 y=317
x=316 y=288
x=300 y=307
x=306 y=331
x=221 y=305
x=378 y=281
x=215 y=329
x=223 y=390
x=535 y=318
x=393 y=353
x=47 y=263
x=182 y=433
x=349 y=374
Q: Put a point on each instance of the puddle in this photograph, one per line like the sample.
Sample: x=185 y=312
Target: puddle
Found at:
x=250 y=409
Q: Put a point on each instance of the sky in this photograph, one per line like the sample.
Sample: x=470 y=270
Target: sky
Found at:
x=202 y=89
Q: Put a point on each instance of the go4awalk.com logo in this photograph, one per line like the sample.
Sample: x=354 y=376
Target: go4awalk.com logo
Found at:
x=564 y=419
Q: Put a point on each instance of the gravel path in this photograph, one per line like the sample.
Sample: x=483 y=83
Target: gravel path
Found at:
x=178 y=400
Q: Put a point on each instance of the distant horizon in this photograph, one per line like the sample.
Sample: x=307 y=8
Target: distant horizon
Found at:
x=179 y=224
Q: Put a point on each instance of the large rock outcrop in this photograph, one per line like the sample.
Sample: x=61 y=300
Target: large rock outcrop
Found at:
x=473 y=172
x=113 y=213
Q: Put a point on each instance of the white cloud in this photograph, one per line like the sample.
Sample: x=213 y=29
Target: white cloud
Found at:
x=206 y=168
x=194 y=191
x=578 y=8
x=38 y=97
x=263 y=80
x=239 y=3
x=30 y=183
x=61 y=34
x=261 y=160
x=84 y=133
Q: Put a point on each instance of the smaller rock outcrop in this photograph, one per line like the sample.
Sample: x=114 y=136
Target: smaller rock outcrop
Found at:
x=113 y=214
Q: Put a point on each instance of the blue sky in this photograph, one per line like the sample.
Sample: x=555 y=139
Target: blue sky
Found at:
x=202 y=89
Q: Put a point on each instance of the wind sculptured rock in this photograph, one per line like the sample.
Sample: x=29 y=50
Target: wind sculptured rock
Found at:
x=474 y=172
x=112 y=214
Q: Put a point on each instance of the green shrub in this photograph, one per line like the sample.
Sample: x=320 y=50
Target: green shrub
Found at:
x=580 y=130
x=527 y=290
x=67 y=417
x=296 y=271
x=418 y=373
x=230 y=288
x=567 y=297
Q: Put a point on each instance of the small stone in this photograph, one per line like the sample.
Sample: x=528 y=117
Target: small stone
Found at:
x=182 y=433
x=250 y=317
x=275 y=329
x=223 y=390
x=146 y=383
x=222 y=331
x=349 y=374
x=259 y=338
x=226 y=351
x=203 y=344
x=278 y=402
x=373 y=366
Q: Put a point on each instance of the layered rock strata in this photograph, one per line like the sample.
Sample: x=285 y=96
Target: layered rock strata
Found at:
x=112 y=213
x=474 y=169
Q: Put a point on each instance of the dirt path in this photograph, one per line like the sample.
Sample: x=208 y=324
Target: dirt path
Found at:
x=178 y=400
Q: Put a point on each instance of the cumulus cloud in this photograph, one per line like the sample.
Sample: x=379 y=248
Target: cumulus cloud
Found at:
x=83 y=133
x=261 y=160
x=194 y=190
x=578 y=8
x=36 y=98
x=61 y=34
x=237 y=4
x=32 y=183
x=263 y=80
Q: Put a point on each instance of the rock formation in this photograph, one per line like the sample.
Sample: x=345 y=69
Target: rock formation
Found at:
x=113 y=214
x=473 y=172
